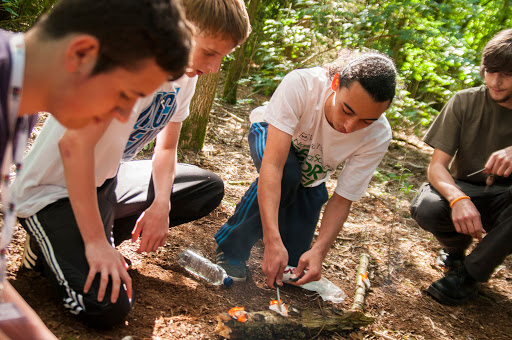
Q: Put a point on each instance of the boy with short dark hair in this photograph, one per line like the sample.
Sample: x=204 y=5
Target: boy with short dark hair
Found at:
x=103 y=202
x=73 y=64
x=316 y=120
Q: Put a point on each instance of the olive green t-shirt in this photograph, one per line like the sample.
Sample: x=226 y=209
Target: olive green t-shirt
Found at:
x=471 y=127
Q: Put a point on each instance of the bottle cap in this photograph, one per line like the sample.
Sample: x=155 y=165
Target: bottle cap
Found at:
x=228 y=281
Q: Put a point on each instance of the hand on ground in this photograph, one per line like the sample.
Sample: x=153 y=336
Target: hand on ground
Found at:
x=152 y=228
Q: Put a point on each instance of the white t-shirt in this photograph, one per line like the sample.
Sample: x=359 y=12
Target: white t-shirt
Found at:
x=42 y=180
x=297 y=108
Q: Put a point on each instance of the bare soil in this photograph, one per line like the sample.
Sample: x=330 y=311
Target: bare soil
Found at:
x=171 y=304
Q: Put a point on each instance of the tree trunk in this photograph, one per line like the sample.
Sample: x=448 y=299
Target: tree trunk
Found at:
x=237 y=65
x=193 y=131
x=233 y=75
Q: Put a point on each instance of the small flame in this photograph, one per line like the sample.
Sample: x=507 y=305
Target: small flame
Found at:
x=238 y=313
x=275 y=307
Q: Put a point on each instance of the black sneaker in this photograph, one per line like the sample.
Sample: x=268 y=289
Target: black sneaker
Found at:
x=236 y=269
x=32 y=255
x=456 y=288
x=449 y=261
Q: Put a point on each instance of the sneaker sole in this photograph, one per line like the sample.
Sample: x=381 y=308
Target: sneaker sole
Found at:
x=29 y=258
x=436 y=294
x=239 y=279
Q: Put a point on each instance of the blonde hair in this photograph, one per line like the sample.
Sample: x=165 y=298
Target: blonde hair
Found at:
x=225 y=18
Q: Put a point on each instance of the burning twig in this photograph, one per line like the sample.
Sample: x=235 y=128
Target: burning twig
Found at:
x=268 y=324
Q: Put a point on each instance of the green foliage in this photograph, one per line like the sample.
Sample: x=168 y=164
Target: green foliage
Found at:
x=435 y=44
x=400 y=178
x=19 y=15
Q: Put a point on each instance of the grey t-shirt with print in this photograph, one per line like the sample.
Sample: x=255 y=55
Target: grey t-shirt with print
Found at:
x=471 y=127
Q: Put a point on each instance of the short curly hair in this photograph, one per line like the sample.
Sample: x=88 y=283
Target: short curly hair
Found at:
x=375 y=72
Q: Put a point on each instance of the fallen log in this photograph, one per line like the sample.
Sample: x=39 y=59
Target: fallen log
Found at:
x=300 y=325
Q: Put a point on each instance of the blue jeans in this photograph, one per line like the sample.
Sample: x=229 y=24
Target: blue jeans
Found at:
x=299 y=209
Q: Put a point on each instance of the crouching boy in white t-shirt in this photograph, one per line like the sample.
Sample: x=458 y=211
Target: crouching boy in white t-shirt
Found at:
x=317 y=119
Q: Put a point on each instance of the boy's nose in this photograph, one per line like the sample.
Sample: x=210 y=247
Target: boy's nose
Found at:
x=350 y=125
x=122 y=113
x=214 y=66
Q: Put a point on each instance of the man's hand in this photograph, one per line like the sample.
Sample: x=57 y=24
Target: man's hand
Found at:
x=500 y=163
x=105 y=260
x=275 y=260
x=466 y=219
x=152 y=227
x=311 y=261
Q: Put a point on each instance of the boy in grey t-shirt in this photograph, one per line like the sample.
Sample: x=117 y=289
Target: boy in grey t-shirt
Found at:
x=473 y=198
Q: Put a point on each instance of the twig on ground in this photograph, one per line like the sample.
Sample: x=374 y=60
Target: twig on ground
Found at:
x=220 y=118
x=387 y=337
x=230 y=114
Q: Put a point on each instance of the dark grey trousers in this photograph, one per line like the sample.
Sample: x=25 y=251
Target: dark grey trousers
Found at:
x=196 y=192
x=433 y=213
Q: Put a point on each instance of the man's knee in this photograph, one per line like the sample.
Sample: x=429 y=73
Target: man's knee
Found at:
x=430 y=210
x=214 y=190
x=216 y=186
x=104 y=315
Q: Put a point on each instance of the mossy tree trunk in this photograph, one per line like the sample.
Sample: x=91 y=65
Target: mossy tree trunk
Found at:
x=193 y=131
x=237 y=65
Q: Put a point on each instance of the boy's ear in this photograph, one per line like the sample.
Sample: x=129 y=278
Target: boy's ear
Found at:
x=81 y=54
x=335 y=84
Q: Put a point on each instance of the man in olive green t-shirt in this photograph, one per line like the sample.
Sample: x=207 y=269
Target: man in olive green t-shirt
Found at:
x=469 y=194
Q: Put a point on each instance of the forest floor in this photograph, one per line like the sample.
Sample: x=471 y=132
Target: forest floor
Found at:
x=172 y=304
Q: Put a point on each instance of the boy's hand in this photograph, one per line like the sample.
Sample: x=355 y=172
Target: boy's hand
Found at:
x=152 y=227
x=105 y=260
x=466 y=219
x=311 y=261
x=275 y=260
x=500 y=163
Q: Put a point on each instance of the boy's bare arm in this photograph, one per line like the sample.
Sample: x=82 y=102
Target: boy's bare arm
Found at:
x=275 y=258
x=153 y=224
x=77 y=152
x=465 y=215
x=32 y=328
x=335 y=215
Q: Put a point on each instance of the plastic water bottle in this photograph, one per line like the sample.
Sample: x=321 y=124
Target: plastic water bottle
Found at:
x=325 y=288
x=204 y=268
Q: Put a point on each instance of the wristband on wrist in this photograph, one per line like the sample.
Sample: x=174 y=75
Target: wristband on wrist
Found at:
x=458 y=199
